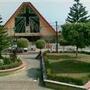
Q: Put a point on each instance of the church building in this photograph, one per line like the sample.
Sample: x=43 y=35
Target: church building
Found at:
x=27 y=22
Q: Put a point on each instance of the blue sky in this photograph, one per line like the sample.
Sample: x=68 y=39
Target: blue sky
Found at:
x=52 y=10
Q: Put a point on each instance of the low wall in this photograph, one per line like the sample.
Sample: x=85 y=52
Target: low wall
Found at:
x=62 y=86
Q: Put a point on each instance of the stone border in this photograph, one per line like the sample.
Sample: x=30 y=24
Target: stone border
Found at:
x=14 y=69
x=65 y=84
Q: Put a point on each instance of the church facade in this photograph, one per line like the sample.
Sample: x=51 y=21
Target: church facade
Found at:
x=29 y=23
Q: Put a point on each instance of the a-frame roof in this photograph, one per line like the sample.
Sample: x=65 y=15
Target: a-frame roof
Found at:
x=35 y=10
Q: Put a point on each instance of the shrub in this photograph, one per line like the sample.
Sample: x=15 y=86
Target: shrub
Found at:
x=84 y=52
x=7 y=61
x=1 y=62
x=40 y=44
x=13 y=56
x=22 y=43
x=11 y=65
x=47 y=63
x=45 y=53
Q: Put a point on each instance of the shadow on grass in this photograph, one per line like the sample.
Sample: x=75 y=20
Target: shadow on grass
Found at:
x=70 y=66
x=33 y=73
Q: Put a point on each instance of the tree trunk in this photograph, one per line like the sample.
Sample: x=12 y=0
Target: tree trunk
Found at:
x=76 y=51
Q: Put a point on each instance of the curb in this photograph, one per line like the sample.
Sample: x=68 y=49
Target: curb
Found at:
x=14 y=69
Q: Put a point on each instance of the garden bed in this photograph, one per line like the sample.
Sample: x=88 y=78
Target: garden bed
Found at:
x=7 y=63
x=22 y=65
x=66 y=67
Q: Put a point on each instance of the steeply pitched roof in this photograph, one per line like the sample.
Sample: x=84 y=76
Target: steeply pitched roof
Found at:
x=34 y=9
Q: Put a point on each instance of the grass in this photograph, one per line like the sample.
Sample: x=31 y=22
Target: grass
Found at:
x=68 y=66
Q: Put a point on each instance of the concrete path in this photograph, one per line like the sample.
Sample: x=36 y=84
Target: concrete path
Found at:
x=87 y=85
x=25 y=79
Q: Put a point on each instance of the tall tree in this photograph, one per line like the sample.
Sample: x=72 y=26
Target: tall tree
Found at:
x=0 y=19
x=4 y=39
x=77 y=34
x=77 y=13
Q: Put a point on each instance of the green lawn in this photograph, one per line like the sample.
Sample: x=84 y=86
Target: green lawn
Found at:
x=68 y=68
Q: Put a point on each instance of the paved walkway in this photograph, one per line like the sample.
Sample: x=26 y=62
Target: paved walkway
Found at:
x=87 y=85
x=25 y=79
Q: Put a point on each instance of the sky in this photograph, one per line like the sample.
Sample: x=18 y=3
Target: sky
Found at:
x=52 y=10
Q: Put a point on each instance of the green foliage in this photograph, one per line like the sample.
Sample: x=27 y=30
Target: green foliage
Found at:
x=84 y=52
x=7 y=61
x=67 y=68
x=47 y=63
x=77 y=34
x=0 y=20
x=1 y=62
x=22 y=43
x=4 y=39
x=62 y=41
x=11 y=65
x=40 y=44
x=13 y=55
x=77 y=13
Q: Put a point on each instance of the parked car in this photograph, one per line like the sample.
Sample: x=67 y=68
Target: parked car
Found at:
x=25 y=49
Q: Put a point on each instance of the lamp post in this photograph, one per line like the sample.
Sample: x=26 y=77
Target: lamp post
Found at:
x=41 y=69
x=40 y=44
x=56 y=37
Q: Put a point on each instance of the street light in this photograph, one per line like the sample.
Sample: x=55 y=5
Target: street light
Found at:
x=41 y=70
x=56 y=37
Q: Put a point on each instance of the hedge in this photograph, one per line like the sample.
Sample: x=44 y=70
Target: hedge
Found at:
x=12 y=65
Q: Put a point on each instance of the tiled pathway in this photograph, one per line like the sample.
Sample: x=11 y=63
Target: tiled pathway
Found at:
x=25 y=79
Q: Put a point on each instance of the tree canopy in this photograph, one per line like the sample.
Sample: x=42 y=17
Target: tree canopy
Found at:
x=22 y=43
x=40 y=44
x=4 y=39
x=0 y=20
x=77 y=34
x=77 y=13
